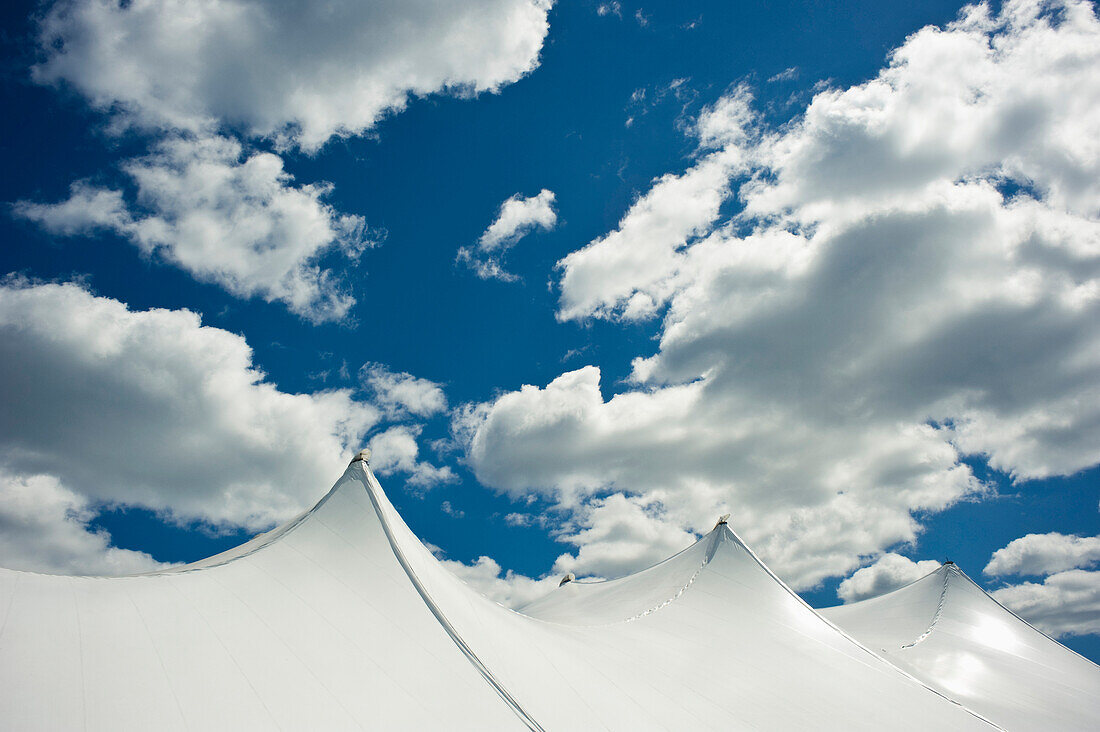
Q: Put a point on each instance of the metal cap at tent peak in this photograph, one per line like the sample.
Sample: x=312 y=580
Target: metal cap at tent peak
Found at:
x=567 y=578
x=363 y=455
x=722 y=520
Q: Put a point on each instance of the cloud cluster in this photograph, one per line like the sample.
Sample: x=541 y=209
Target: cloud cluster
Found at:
x=506 y=588
x=887 y=574
x=1040 y=554
x=100 y=404
x=1066 y=603
x=396 y=450
x=615 y=535
x=518 y=216
x=193 y=74
x=298 y=71
x=44 y=527
x=1067 y=600
x=401 y=393
x=910 y=274
x=232 y=219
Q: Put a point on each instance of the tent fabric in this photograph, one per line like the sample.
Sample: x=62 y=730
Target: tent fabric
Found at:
x=948 y=632
x=342 y=619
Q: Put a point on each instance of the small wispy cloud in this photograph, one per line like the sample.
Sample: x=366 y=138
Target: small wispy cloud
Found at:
x=609 y=8
x=785 y=75
x=518 y=217
x=400 y=394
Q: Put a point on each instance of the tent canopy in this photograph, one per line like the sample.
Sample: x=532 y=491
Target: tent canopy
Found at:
x=342 y=619
x=948 y=632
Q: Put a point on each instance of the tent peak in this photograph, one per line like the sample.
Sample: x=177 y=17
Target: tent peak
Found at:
x=722 y=520
x=363 y=455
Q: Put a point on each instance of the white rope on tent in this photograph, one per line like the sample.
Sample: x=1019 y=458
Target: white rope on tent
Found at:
x=717 y=537
x=939 y=608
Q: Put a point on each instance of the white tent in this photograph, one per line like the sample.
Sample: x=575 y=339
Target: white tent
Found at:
x=342 y=619
x=946 y=631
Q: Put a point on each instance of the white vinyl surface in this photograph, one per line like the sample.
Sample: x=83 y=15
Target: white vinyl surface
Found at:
x=945 y=630
x=342 y=619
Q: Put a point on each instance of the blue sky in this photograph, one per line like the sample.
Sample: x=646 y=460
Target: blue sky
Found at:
x=806 y=263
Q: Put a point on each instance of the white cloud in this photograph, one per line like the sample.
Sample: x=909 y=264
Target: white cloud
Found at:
x=295 y=73
x=519 y=519
x=887 y=574
x=618 y=534
x=298 y=71
x=150 y=408
x=811 y=497
x=232 y=219
x=518 y=216
x=44 y=528
x=1042 y=554
x=609 y=8
x=1066 y=603
x=628 y=272
x=396 y=451
x=884 y=303
x=401 y=393
x=449 y=509
x=785 y=75
x=506 y=588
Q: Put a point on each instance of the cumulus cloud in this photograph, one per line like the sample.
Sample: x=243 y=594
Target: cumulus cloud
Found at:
x=296 y=74
x=518 y=216
x=1041 y=554
x=1066 y=603
x=44 y=527
x=401 y=393
x=233 y=219
x=300 y=71
x=152 y=409
x=910 y=274
x=396 y=451
x=887 y=574
x=616 y=535
x=506 y=588
x=627 y=272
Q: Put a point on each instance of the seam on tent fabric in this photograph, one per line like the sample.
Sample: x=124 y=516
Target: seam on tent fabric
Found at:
x=437 y=611
x=229 y=654
x=850 y=638
x=11 y=602
x=160 y=659
x=80 y=649
x=365 y=599
x=279 y=637
x=1010 y=612
x=939 y=609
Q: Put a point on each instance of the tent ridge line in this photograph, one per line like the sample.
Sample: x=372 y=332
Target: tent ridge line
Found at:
x=372 y=486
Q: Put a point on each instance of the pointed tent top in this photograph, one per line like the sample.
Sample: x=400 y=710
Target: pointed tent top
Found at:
x=722 y=520
x=364 y=455
x=569 y=577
